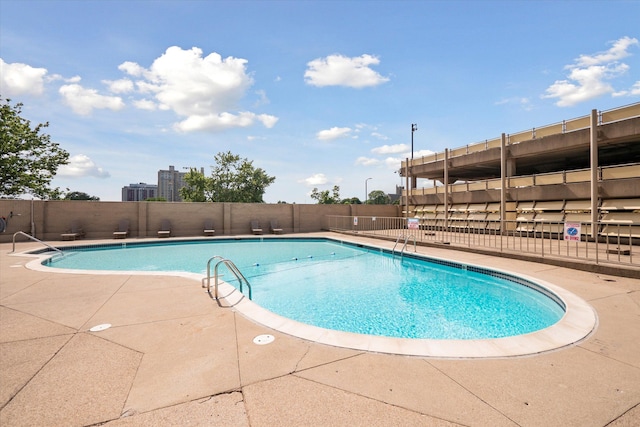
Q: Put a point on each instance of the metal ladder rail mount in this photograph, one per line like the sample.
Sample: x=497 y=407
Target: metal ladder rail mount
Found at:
x=232 y=268
x=34 y=239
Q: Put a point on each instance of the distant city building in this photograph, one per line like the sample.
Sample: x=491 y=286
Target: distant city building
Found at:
x=139 y=192
x=394 y=197
x=170 y=182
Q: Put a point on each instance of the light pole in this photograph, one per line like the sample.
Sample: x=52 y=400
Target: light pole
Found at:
x=414 y=127
x=366 y=194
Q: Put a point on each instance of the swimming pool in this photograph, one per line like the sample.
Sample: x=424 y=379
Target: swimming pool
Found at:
x=351 y=288
x=294 y=262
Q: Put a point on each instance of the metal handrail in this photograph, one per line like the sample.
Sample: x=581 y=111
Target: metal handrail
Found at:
x=232 y=267
x=34 y=239
x=406 y=240
x=400 y=236
x=405 y=245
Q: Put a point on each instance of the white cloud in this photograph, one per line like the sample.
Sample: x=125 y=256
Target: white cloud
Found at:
x=57 y=77
x=366 y=161
x=262 y=98
x=119 y=86
x=217 y=122
x=339 y=70
x=21 y=79
x=525 y=103
x=146 y=88
x=391 y=149
x=145 y=104
x=333 y=133
x=132 y=69
x=379 y=136
x=393 y=162
x=83 y=101
x=81 y=165
x=589 y=75
x=617 y=52
x=316 y=179
x=633 y=91
x=204 y=90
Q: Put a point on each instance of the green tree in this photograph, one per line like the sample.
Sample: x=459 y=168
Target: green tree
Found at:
x=79 y=195
x=28 y=158
x=196 y=188
x=232 y=180
x=351 y=201
x=378 y=197
x=324 y=198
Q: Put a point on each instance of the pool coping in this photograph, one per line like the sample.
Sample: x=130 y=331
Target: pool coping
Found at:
x=578 y=323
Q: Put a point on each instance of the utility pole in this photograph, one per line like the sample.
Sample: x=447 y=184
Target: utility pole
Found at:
x=414 y=127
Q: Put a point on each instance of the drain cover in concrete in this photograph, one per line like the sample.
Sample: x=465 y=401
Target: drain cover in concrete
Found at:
x=263 y=339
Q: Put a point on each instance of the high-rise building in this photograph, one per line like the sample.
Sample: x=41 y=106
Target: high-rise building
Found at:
x=139 y=192
x=169 y=184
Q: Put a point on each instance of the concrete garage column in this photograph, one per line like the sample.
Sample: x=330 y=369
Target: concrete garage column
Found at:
x=594 y=173
x=446 y=188
x=510 y=165
x=503 y=181
x=407 y=189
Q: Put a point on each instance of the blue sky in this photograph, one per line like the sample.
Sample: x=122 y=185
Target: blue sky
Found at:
x=317 y=93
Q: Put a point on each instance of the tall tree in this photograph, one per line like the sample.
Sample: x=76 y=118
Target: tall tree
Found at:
x=324 y=198
x=196 y=188
x=79 y=195
x=379 y=197
x=28 y=158
x=233 y=179
x=351 y=201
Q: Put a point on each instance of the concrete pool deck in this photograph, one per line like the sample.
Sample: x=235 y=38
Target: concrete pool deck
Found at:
x=174 y=357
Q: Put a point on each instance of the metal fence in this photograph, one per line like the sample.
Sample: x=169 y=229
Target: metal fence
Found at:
x=544 y=239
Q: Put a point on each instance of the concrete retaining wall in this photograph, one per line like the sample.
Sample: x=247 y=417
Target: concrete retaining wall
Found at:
x=48 y=219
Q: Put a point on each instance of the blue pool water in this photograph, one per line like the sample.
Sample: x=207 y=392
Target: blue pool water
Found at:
x=350 y=288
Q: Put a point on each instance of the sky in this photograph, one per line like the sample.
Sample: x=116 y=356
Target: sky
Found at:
x=316 y=93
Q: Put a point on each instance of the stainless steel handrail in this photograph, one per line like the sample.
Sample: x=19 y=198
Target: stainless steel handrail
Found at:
x=405 y=245
x=406 y=240
x=400 y=236
x=34 y=239
x=232 y=268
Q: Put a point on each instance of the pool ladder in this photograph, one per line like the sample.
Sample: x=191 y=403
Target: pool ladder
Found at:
x=22 y=233
x=231 y=267
x=404 y=246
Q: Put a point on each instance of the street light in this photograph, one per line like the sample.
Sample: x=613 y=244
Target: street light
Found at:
x=414 y=127
x=366 y=194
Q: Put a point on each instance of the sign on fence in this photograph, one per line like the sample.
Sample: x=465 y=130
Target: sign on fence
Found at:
x=572 y=231
x=355 y=220
x=413 y=223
